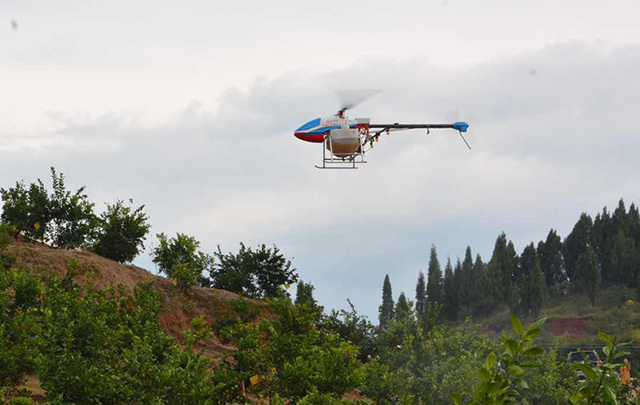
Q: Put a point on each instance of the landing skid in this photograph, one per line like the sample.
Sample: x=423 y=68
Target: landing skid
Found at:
x=333 y=162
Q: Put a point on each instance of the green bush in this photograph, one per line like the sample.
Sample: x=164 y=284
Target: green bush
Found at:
x=62 y=218
x=121 y=232
x=259 y=273
x=180 y=259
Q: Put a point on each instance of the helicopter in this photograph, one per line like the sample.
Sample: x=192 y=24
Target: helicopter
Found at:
x=345 y=141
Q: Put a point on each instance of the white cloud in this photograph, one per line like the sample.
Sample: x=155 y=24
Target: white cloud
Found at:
x=546 y=146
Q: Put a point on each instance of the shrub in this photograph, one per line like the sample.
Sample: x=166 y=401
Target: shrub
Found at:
x=63 y=218
x=121 y=232
x=180 y=259
x=259 y=273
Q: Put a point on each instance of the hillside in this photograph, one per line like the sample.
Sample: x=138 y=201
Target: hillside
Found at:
x=180 y=308
x=573 y=321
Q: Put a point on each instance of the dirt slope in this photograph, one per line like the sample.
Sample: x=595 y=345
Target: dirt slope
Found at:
x=180 y=308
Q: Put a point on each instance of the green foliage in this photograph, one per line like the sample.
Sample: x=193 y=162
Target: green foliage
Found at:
x=354 y=328
x=421 y=294
x=601 y=381
x=501 y=375
x=180 y=259
x=121 y=232
x=530 y=282
x=259 y=273
x=434 y=279
x=552 y=261
x=89 y=346
x=62 y=218
x=403 y=307
x=304 y=296
x=6 y=236
x=577 y=242
x=386 y=311
x=296 y=356
x=450 y=302
x=587 y=275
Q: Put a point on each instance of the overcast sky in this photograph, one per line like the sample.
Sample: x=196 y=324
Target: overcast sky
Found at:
x=190 y=107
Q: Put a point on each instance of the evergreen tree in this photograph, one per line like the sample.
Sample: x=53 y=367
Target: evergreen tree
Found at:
x=421 y=295
x=403 y=308
x=466 y=280
x=531 y=282
x=450 y=304
x=623 y=268
x=480 y=301
x=434 y=283
x=633 y=218
x=577 y=243
x=551 y=260
x=304 y=296
x=587 y=276
x=386 y=310
x=501 y=270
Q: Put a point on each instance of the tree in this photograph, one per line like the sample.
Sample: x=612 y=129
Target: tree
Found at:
x=121 y=232
x=623 y=266
x=466 y=280
x=530 y=282
x=480 y=301
x=587 y=275
x=304 y=296
x=403 y=308
x=450 y=302
x=551 y=260
x=63 y=219
x=180 y=259
x=386 y=310
x=421 y=295
x=259 y=273
x=501 y=269
x=577 y=242
x=434 y=278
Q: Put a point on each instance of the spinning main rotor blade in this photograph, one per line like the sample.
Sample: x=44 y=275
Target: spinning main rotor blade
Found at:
x=351 y=98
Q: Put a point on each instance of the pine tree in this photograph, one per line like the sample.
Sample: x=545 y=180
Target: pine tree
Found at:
x=551 y=260
x=531 y=282
x=386 y=310
x=501 y=270
x=403 y=309
x=421 y=295
x=304 y=296
x=577 y=242
x=450 y=304
x=587 y=276
x=434 y=283
x=623 y=267
x=466 y=280
x=479 y=300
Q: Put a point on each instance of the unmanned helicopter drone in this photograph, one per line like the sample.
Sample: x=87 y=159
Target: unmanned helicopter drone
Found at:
x=347 y=140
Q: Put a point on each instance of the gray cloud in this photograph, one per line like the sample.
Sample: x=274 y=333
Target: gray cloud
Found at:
x=546 y=146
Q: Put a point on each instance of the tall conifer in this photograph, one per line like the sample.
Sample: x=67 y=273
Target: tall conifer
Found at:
x=386 y=310
x=530 y=282
x=551 y=260
x=587 y=274
x=466 y=280
x=434 y=278
x=577 y=242
x=403 y=309
x=421 y=295
x=450 y=304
